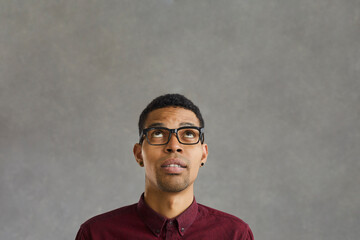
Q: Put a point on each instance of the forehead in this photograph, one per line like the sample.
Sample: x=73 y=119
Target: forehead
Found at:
x=172 y=117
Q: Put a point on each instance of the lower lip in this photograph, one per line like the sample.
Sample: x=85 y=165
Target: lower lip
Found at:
x=173 y=170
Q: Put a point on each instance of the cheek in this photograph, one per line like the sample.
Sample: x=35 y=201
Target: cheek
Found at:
x=196 y=156
x=150 y=158
x=193 y=173
x=149 y=154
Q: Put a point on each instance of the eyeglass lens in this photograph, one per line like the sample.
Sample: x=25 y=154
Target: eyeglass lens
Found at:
x=185 y=135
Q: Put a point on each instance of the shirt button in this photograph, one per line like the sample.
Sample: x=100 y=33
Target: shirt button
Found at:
x=157 y=231
x=170 y=222
x=182 y=229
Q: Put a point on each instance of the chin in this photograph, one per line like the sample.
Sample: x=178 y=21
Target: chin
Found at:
x=173 y=188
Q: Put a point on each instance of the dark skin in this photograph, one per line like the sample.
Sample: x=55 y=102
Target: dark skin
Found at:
x=170 y=190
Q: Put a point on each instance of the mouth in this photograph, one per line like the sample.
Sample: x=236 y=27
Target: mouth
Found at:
x=174 y=166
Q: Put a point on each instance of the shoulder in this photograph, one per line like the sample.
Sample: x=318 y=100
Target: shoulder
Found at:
x=231 y=226
x=111 y=217
x=221 y=225
x=214 y=214
x=104 y=225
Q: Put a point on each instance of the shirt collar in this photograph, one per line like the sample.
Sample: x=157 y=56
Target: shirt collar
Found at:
x=156 y=222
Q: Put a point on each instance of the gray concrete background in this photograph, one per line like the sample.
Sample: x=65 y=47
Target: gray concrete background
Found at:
x=277 y=82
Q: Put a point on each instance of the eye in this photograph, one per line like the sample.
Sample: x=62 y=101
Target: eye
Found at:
x=157 y=134
x=189 y=134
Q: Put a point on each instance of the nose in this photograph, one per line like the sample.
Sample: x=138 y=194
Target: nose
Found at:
x=173 y=145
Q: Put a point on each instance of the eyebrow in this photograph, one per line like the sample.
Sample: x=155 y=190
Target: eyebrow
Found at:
x=187 y=124
x=162 y=125
x=155 y=125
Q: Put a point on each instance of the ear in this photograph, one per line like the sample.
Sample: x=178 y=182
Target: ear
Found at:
x=138 y=154
x=205 y=152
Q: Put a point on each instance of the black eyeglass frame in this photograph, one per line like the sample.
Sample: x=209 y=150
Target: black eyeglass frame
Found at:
x=175 y=130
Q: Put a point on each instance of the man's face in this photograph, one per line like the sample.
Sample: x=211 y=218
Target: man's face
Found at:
x=161 y=162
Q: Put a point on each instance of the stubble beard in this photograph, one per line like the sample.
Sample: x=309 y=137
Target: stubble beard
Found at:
x=172 y=185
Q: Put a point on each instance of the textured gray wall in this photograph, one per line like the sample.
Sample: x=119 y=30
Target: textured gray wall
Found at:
x=277 y=82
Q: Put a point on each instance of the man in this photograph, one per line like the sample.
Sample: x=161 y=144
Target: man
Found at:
x=171 y=149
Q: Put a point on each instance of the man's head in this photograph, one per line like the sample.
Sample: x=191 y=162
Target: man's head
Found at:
x=169 y=100
x=172 y=152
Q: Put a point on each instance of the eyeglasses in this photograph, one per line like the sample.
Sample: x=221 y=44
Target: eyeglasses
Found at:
x=189 y=135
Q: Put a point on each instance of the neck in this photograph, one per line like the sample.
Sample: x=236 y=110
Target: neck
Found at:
x=169 y=204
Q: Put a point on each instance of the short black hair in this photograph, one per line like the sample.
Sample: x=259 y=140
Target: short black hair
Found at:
x=169 y=100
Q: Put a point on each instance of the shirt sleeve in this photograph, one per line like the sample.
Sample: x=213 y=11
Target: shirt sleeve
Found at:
x=81 y=235
x=249 y=235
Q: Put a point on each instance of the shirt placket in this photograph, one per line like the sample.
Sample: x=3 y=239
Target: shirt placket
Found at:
x=171 y=230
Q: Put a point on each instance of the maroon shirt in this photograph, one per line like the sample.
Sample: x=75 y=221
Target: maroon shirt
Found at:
x=139 y=221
